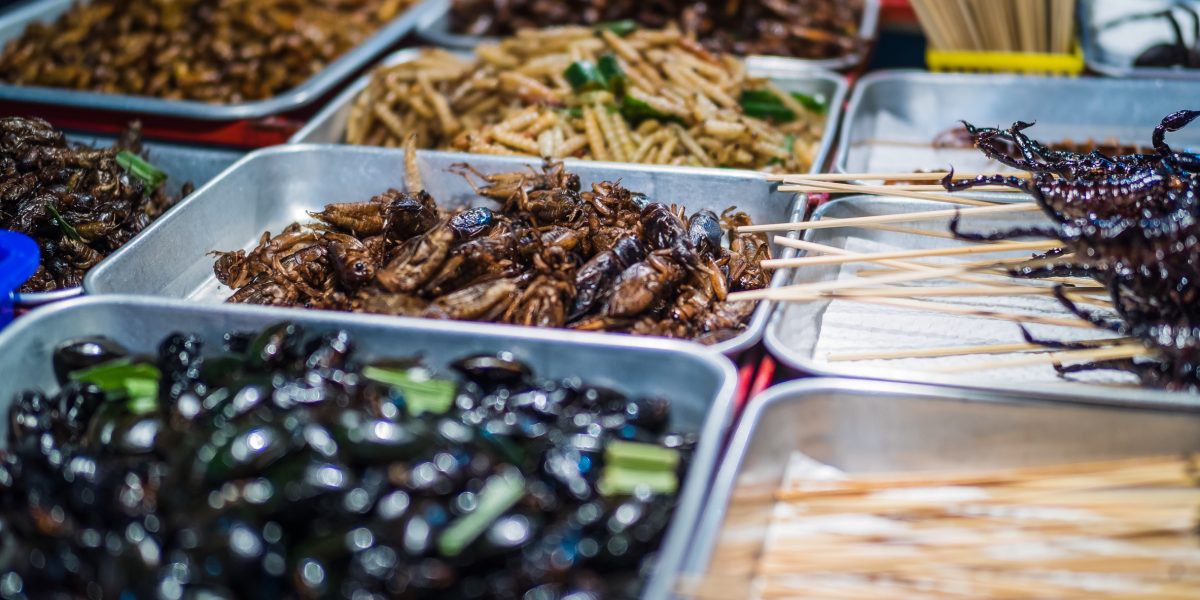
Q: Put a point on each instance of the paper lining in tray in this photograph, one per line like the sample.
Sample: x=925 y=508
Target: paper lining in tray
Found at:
x=804 y=334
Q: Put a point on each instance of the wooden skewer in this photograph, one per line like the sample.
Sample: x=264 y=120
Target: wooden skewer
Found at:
x=786 y=263
x=896 y=218
x=905 y=187
x=944 y=351
x=879 y=190
x=1120 y=351
x=985 y=266
x=946 y=235
x=796 y=178
x=953 y=309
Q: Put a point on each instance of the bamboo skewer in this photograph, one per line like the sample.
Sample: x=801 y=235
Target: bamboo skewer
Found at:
x=1117 y=352
x=944 y=351
x=879 y=190
x=917 y=176
x=896 y=218
x=785 y=263
x=952 y=309
x=905 y=187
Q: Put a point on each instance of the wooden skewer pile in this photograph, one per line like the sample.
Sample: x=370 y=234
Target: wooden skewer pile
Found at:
x=1045 y=26
x=1113 y=529
x=909 y=280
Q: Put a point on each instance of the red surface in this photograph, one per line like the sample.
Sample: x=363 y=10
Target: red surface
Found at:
x=764 y=378
x=243 y=134
x=896 y=11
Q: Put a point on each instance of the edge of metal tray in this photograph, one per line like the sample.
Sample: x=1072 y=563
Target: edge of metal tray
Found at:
x=14 y=23
x=1140 y=397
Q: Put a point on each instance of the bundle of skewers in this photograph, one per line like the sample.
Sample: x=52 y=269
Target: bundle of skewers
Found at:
x=1108 y=529
x=1116 y=248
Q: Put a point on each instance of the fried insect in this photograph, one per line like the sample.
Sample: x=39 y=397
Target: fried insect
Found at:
x=550 y=255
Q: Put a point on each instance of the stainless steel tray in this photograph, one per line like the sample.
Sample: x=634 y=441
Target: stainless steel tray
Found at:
x=860 y=426
x=329 y=126
x=272 y=188
x=700 y=384
x=801 y=334
x=181 y=164
x=1112 y=51
x=434 y=27
x=12 y=24
x=893 y=116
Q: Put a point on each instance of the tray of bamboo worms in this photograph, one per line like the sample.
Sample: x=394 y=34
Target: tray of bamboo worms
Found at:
x=582 y=245
x=856 y=489
x=1087 y=292
x=1141 y=38
x=793 y=34
x=648 y=97
x=906 y=121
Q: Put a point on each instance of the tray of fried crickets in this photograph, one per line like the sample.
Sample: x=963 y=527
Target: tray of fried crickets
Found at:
x=952 y=313
x=904 y=121
x=934 y=509
x=591 y=246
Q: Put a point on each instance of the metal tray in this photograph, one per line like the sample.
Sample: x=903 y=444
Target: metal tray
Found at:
x=434 y=27
x=13 y=24
x=801 y=333
x=1112 y=52
x=181 y=163
x=699 y=384
x=893 y=116
x=329 y=126
x=860 y=426
x=272 y=188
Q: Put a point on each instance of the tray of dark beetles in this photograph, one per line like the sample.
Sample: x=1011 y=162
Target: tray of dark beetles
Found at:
x=167 y=450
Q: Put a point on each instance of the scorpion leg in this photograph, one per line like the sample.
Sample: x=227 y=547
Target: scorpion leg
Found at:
x=1174 y=122
x=1054 y=344
x=1060 y=293
x=1053 y=271
x=1120 y=364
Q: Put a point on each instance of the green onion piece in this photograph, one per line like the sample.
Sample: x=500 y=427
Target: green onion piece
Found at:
x=66 y=227
x=499 y=494
x=621 y=481
x=635 y=455
x=621 y=28
x=762 y=104
x=138 y=167
x=636 y=111
x=584 y=77
x=421 y=394
x=574 y=112
x=789 y=143
x=614 y=77
x=814 y=103
x=112 y=375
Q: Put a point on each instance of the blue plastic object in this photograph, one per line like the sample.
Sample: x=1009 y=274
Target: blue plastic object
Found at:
x=19 y=258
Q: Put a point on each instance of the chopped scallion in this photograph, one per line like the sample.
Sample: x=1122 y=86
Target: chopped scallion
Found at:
x=499 y=494
x=138 y=167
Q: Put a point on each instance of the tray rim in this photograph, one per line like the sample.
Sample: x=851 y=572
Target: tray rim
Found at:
x=1084 y=393
x=93 y=281
x=309 y=91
